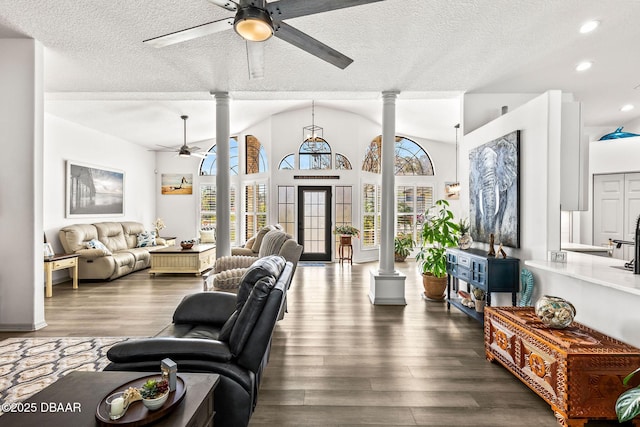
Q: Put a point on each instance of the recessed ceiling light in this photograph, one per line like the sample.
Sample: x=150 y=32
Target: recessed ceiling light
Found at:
x=589 y=26
x=583 y=66
x=627 y=107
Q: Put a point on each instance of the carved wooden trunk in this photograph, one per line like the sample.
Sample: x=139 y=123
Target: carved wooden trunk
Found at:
x=577 y=370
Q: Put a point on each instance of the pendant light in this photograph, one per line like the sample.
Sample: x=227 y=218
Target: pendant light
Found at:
x=455 y=187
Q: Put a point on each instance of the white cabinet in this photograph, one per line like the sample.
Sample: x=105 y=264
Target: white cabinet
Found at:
x=574 y=153
x=616 y=206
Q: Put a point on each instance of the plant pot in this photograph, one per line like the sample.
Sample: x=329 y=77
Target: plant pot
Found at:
x=465 y=241
x=400 y=258
x=434 y=286
x=479 y=305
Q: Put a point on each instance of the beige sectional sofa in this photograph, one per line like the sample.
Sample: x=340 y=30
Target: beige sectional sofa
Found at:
x=108 y=250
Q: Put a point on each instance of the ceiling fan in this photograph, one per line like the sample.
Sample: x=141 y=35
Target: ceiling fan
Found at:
x=184 y=150
x=256 y=21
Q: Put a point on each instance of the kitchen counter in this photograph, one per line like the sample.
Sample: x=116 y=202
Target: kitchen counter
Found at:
x=609 y=272
x=579 y=247
x=606 y=296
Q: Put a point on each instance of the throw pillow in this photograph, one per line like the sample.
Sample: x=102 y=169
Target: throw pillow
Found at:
x=146 y=238
x=207 y=236
x=96 y=244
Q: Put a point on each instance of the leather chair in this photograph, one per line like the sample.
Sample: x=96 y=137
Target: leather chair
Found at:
x=220 y=333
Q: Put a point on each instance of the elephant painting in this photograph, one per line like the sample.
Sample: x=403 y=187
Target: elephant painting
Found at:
x=493 y=187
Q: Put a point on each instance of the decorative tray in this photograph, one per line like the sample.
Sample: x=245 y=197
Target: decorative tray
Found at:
x=137 y=414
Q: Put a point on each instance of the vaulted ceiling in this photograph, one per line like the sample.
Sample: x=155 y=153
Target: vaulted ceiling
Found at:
x=99 y=73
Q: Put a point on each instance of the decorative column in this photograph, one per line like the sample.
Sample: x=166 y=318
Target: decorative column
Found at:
x=387 y=285
x=223 y=186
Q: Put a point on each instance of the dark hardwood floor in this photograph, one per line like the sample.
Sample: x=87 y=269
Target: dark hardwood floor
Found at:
x=336 y=360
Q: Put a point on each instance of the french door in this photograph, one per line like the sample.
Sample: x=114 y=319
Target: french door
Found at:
x=314 y=223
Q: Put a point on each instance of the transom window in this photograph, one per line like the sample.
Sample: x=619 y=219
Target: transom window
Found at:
x=209 y=165
x=255 y=155
x=410 y=158
x=315 y=153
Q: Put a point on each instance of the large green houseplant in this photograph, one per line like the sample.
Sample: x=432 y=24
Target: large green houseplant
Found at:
x=439 y=232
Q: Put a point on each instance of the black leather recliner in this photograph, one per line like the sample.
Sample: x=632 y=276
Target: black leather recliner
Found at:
x=220 y=333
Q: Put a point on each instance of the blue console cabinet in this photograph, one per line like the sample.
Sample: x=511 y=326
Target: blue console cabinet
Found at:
x=475 y=268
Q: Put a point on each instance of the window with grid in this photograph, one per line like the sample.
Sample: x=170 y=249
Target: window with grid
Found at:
x=315 y=153
x=209 y=165
x=410 y=158
x=287 y=208
x=255 y=208
x=208 y=206
x=371 y=215
x=343 y=206
x=411 y=203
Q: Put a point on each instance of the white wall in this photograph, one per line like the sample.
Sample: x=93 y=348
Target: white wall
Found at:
x=482 y=108
x=539 y=123
x=64 y=141
x=21 y=111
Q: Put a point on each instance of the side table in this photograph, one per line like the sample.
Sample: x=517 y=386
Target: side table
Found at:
x=345 y=246
x=59 y=262
x=72 y=401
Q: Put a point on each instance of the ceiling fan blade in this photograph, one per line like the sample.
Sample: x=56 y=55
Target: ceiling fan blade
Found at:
x=226 y=4
x=192 y=149
x=287 y=9
x=191 y=33
x=309 y=44
x=200 y=155
x=255 y=58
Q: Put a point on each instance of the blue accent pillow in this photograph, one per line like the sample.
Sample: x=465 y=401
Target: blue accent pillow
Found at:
x=96 y=244
x=146 y=238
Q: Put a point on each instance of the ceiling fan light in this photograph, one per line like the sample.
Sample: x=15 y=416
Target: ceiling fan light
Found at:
x=253 y=24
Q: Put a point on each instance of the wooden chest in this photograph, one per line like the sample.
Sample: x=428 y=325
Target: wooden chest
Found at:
x=577 y=370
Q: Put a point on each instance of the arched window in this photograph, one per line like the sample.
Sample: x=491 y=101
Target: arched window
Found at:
x=256 y=155
x=315 y=153
x=342 y=163
x=410 y=158
x=288 y=163
x=209 y=163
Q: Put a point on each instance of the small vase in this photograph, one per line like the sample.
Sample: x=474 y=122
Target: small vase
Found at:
x=465 y=241
x=555 y=312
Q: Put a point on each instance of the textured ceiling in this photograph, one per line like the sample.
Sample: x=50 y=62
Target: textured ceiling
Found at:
x=100 y=74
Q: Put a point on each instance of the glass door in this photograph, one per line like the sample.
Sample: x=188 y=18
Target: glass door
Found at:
x=314 y=223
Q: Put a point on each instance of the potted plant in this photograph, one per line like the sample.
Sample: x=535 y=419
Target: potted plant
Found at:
x=465 y=240
x=154 y=393
x=628 y=403
x=402 y=245
x=439 y=232
x=346 y=232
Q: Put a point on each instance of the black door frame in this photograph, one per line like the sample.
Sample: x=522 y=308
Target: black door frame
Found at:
x=315 y=256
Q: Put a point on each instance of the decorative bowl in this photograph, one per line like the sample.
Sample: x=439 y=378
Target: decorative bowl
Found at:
x=186 y=245
x=153 y=404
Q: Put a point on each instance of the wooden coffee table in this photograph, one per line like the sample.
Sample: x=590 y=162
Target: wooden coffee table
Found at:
x=174 y=259
x=73 y=399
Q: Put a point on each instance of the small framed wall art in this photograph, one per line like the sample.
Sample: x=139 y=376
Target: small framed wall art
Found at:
x=176 y=183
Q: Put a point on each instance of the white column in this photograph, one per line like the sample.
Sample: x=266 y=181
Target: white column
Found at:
x=387 y=285
x=21 y=200
x=387 y=258
x=223 y=186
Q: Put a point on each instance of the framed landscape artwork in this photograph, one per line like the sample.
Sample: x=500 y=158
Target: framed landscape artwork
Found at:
x=175 y=183
x=94 y=191
x=494 y=199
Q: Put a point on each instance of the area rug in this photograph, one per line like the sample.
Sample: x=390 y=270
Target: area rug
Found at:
x=27 y=365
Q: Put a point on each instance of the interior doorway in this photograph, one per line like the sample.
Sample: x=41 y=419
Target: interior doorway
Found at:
x=314 y=222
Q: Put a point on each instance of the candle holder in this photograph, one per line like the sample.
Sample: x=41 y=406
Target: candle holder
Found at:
x=116 y=405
